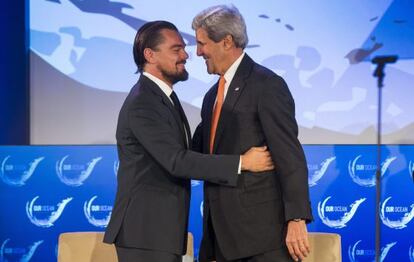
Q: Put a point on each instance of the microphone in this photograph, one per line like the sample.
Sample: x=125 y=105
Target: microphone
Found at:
x=388 y=59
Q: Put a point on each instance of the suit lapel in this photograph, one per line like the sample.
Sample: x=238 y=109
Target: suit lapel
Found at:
x=166 y=101
x=234 y=91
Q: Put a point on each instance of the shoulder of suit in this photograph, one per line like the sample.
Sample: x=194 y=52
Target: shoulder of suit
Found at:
x=263 y=71
x=269 y=79
x=140 y=94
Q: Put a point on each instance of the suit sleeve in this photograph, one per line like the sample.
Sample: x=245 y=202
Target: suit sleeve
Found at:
x=277 y=117
x=197 y=140
x=154 y=132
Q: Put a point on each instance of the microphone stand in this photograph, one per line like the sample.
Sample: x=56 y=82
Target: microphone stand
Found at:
x=380 y=61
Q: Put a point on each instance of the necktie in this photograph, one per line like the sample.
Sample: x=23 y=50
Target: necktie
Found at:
x=177 y=106
x=217 y=111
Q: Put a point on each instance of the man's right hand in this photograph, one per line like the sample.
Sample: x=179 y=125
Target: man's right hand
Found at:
x=257 y=159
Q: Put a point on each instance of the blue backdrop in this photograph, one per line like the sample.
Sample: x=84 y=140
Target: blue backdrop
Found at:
x=46 y=190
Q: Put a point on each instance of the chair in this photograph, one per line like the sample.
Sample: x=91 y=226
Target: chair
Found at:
x=189 y=256
x=325 y=247
x=88 y=247
x=85 y=247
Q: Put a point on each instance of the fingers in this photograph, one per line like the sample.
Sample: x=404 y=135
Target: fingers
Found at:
x=291 y=251
x=259 y=148
x=297 y=240
x=297 y=250
x=307 y=246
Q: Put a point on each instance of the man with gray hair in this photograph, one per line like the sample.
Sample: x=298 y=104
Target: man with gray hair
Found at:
x=263 y=218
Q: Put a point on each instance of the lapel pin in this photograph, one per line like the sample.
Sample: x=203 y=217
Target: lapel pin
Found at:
x=237 y=89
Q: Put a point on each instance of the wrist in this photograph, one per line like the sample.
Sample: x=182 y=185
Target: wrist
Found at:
x=243 y=164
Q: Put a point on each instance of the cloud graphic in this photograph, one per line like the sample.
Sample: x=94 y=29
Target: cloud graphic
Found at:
x=78 y=181
x=318 y=174
x=341 y=222
x=24 y=176
x=47 y=222
x=399 y=223
x=96 y=222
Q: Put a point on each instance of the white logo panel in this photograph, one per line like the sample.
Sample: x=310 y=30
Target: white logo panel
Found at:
x=316 y=172
x=48 y=213
x=91 y=211
x=364 y=174
x=341 y=221
x=25 y=254
x=75 y=174
x=17 y=174
x=405 y=214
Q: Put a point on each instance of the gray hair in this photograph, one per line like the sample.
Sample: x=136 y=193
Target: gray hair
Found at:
x=220 y=21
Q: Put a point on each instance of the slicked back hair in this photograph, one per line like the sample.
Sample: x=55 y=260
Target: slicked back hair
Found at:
x=149 y=36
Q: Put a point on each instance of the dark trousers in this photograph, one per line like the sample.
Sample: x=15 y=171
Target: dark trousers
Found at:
x=277 y=255
x=143 y=255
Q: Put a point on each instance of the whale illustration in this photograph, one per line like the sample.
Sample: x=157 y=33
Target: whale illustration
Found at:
x=386 y=249
x=46 y=222
x=78 y=181
x=27 y=256
x=96 y=222
x=21 y=181
x=341 y=222
x=399 y=223
x=318 y=174
x=367 y=182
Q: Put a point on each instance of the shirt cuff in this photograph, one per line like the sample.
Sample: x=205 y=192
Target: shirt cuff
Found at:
x=239 y=170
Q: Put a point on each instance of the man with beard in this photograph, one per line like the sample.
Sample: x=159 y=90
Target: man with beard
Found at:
x=150 y=215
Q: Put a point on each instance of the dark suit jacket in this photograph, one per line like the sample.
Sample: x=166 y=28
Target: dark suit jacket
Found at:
x=251 y=218
x=153 y=194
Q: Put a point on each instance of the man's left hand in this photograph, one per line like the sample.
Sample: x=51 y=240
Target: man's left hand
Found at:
x=297 y=240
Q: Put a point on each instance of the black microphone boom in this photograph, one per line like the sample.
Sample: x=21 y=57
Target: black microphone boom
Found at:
x=388 y=59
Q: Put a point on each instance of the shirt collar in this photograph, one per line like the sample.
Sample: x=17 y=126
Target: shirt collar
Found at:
x=232 y=69
x=161 y=84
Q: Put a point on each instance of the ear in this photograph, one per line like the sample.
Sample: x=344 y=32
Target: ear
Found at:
x=149 y=55
x=228 y=42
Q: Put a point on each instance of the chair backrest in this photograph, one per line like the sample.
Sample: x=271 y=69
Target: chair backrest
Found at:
x=189 y=256
x=325 y=247
x=85 y=246
x=88 y=247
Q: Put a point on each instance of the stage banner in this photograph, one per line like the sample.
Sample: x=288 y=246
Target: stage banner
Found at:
x=47 y=190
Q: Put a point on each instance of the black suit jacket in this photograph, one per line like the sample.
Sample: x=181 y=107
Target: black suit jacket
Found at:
x=153 y=193
x=251 y=218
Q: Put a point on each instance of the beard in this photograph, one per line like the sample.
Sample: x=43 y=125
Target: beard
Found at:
x=174 y=77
